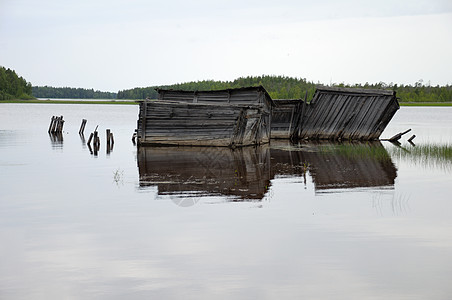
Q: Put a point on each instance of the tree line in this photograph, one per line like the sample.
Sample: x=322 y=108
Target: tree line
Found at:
x=279 y=87
x=13 y=86
x=283 y=87
x=70 y=93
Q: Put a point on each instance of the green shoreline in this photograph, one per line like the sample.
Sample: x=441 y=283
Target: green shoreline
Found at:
x=135 y=103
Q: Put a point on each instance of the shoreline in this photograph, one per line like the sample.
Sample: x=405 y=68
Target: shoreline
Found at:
x=71 y=101
x=134 y=102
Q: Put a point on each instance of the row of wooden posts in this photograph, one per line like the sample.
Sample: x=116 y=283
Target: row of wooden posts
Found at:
x=56 y=128
x=94 y=138
x=56 y=124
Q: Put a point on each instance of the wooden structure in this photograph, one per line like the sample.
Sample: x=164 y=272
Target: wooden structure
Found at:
x=284 y=114
x=338 y=114
x=232 y=118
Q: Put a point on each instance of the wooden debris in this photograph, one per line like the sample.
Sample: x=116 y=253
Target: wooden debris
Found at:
x=411 y=138
x=398 y=136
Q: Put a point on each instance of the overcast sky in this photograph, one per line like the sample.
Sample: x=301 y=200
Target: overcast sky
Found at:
x=112 y=45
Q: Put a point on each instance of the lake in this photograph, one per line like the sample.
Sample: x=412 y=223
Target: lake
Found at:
x=281 y=221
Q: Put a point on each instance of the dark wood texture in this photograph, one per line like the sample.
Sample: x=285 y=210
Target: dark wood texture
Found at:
x=285 y=114
x=231 y=118
x=345 y=114
x=242 y=173
x=246 y=173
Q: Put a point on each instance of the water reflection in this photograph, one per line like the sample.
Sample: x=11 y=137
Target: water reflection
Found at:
x=242 y=173
x=56 y=139
x=349 y=165
x=246 y=173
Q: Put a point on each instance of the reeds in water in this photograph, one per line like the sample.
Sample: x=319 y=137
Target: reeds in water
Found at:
x=427 y=155
x=366 y=150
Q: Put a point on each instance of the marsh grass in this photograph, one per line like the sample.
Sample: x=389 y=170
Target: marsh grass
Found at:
x=428 y=155
x=357 y=151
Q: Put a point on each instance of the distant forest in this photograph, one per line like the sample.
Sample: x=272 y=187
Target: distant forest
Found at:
x=282 y=87
x=279 y=87
x=12 y=86
x=70 y=93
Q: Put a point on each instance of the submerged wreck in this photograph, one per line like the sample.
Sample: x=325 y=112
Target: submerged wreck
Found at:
x=335 y=114
x=230 y=118
x=248 y=116
x=284 y=114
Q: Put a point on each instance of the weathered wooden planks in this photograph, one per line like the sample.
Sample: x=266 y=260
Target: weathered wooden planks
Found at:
x=232 y=118
x=344 y=114
x=284 y=114
x=248 y=116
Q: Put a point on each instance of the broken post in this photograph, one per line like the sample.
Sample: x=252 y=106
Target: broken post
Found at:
x=95 y=140
x=51 y=124
x=398 y=136
x=90 y=138
x=134 y=136
x=54 y=125
x=60 y=125
x=108 y=137
x=82 y=127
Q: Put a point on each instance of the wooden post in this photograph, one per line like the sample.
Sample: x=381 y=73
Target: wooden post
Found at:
x=108 y=137
x=95 y=141
x=60 y=128
x=90 y=149
x=54 y=124
x=82 y=127
x=90 y=138
x=51 y=124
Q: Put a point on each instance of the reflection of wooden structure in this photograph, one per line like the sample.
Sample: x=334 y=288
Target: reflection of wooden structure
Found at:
x=242 y=172
x=337 y=166
x=245 y=173
x=232 y=118
x=337 y=114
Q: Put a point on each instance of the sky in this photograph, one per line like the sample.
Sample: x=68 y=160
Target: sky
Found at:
x=112 y=45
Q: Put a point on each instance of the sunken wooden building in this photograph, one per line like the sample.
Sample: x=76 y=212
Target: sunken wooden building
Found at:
x=284 y=115
x=230 y=118
x=335 y=114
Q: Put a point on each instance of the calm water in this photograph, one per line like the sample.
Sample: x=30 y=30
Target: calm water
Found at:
x=306 y=221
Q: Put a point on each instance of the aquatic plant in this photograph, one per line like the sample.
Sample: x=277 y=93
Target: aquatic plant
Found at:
x=118 y=175
x=357 y=150
x=428 y=155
